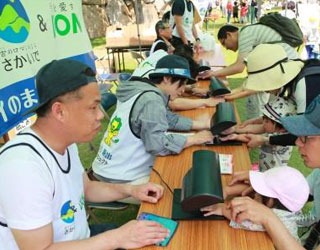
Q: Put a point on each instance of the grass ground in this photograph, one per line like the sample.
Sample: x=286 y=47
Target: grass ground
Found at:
x=87 y=155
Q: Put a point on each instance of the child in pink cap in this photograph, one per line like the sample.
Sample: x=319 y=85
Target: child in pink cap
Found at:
x=284 y=189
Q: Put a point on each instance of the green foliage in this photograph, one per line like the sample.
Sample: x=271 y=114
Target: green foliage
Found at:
x=98 y=42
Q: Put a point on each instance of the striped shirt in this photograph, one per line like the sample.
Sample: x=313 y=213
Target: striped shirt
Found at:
x=252 y=36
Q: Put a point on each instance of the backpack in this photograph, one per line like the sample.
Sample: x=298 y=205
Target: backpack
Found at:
x=288 y=28
x=312 y=67
x=311 y=73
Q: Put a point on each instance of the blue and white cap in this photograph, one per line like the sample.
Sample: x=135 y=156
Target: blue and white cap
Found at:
x=172 y=65
x=307 y=123
x=278 y=108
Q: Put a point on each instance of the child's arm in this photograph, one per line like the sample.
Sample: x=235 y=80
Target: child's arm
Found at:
x=240 y=137
x=187 y=104
x=237 y=94
x=251 y=128
x=235 y=190
x=217 y=209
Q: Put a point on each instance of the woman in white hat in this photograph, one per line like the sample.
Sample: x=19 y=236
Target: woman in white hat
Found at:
x=269 y=70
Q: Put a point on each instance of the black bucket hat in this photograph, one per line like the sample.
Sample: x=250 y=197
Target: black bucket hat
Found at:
x=60 y=77
x=173 y=65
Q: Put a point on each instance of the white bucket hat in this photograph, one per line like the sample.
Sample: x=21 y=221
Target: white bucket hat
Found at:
x=278 y=108
x=269 y=68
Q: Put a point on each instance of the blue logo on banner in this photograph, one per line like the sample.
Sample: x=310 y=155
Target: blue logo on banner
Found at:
x=14 y=22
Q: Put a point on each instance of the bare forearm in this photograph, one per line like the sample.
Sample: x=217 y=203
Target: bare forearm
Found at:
x=279 y=234
x=191 y=141
x=239 y=94
x=181 y=33
x=194 y=32
x=236 y=189
x=103 y=192
x=104 y=241
x=186 y=104
x=232 y=69
x=252 y=129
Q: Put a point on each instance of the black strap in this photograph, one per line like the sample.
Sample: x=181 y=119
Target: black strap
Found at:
x=270 y=67
x=54 y=157
x=3 y=224
x=307 y=71
x=313 y=237
x=130 y=126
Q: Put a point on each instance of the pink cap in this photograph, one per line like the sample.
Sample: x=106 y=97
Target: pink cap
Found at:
x=286 y=184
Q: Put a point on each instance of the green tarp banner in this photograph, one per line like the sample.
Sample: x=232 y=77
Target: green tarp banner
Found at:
x=32 y=34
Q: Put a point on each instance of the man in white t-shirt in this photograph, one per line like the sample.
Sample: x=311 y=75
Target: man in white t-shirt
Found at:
x=43 y=185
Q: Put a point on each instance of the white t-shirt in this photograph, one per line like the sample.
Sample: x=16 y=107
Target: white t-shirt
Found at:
x=34 y=193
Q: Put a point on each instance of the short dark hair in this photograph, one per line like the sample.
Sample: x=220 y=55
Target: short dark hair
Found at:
x=44 y=110
x=278 y=124
x=187 y=52
x=166 y=17
x=160 y=25
x=222 y=34
x=158 y=80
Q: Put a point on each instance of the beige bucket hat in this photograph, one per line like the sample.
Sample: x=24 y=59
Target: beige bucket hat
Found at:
x=269 y=68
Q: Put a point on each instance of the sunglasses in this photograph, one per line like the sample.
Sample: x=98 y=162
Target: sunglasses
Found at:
x=305 y=138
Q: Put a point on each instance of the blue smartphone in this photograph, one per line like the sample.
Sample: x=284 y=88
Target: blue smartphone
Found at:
x=171 y=225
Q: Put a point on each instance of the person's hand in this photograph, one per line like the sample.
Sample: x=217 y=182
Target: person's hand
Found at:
x=244 y=208
x=237 y=137
x=202 y=137
x=170 y=49
x=255 y=141
x=205 y=74
x=239 y=177
x=199 y=91
x=229 y=131
x=136 y=234
x=242 y=177
x=251 y=121
x=229 y=97
x=217 y=209
x=149 y=192
x=213 y=101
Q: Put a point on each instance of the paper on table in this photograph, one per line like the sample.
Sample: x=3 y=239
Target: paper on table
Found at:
x=225 y=163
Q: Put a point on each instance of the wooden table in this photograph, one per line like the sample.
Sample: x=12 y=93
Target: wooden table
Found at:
x=204 y=234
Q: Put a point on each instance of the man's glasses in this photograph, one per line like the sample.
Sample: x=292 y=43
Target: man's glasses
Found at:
x=303 y=139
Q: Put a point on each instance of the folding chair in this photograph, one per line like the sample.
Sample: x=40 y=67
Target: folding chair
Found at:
x=103 y=75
